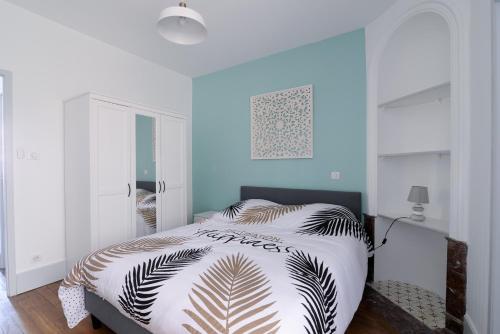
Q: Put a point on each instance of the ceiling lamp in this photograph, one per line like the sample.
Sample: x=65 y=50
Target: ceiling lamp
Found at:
x=182 y=25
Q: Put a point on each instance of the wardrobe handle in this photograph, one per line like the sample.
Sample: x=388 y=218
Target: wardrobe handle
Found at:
x=159 y=182
x=164 y=187
x=129 y=190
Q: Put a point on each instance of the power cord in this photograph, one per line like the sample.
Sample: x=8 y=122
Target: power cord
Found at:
x=384 y=241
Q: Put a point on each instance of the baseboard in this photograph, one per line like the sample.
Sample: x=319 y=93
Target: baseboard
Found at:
x=37 y=277
x=469 y=327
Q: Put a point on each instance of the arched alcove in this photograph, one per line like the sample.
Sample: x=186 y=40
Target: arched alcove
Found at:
x=414 y=149
x=397 y=24
x=416 y=57
x=468 y=215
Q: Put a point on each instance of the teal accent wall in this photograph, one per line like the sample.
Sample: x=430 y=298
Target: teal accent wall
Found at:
x=144 y=148
x=221 y=122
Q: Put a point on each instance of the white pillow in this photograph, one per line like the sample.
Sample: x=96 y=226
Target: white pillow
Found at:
x=233 y=212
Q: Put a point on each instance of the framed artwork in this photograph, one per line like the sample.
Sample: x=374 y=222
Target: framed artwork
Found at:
x=282 y=124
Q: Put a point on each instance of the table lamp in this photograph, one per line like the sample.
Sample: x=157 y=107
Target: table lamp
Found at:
x=418 y=195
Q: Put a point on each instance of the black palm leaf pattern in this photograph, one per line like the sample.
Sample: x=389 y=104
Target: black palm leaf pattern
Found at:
x=337 y=221
x=138 y=293
x=317 y=286
x=232 y=210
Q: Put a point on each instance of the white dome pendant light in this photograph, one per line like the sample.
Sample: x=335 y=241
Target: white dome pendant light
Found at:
x=182 y=25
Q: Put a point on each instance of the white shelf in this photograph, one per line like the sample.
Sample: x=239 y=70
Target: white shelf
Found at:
x=432 y=94
x=405 y=154
x=433 y=224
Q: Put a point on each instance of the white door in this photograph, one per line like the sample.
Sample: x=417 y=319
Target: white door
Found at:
x=114 y=188
x=173 y=150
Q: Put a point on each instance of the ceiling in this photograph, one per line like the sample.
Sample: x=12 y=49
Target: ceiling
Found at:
x=238 y=30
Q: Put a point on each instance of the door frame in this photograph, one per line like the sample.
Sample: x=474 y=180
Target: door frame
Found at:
x=495 y=248
x=8 y=186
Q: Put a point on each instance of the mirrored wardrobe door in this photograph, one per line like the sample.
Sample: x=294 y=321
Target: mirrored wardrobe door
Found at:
x=147 y=187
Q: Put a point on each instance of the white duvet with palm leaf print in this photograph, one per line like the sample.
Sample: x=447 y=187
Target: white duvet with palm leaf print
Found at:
x=256 y=267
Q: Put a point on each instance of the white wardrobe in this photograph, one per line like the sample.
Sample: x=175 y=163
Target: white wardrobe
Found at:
x=100 y=172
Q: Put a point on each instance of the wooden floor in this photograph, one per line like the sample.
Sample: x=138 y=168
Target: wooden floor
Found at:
x=39 y=311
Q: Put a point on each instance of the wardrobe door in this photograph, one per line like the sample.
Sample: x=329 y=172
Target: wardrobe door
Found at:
x=113 y=198
x=173 y=148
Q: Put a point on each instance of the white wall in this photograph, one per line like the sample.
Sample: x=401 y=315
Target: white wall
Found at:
x=481 y=70
x=495 y=235
x=51 y=63
x=412 y=254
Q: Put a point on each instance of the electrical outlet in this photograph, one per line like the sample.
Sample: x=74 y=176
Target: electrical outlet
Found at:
x=335 y=175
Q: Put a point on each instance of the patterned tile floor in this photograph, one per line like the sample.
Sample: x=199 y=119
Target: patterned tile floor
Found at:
x=424 y=305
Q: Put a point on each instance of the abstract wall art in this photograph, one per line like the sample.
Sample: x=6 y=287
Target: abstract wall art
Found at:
x=282 y=124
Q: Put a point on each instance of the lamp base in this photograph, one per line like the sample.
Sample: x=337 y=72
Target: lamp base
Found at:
x=417 y=218
x=418 y=213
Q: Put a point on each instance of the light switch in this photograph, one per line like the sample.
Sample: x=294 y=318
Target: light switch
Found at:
x=20 y=154
x=146 y=172
x=335 y=175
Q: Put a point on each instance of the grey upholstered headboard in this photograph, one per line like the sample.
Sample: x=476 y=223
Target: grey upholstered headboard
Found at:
x=351 y=200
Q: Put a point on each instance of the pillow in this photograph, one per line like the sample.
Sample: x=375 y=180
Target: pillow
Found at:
x=328 y=220
x=320 y=220
x=266 y=213
x=234 y=211
x=258 y=211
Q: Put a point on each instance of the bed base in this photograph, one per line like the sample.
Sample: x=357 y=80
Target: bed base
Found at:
x=103 y=312
x=369 y=222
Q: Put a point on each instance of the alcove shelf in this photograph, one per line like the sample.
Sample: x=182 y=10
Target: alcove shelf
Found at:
x=433 y=224
x=435 y=93
x=405 y=154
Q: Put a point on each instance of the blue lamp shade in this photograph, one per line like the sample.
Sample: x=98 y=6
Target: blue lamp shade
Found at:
x=418 y=194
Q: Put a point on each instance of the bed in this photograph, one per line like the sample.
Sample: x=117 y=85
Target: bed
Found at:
x=289 y=281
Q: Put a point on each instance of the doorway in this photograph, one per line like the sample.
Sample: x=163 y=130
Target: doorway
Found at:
x=2 y=221
x=7 y=270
